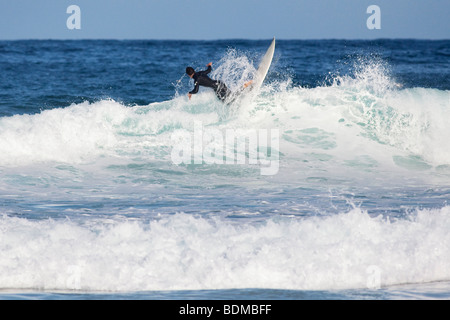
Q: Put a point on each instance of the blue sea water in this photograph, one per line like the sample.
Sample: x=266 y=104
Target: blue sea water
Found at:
x=114 y=185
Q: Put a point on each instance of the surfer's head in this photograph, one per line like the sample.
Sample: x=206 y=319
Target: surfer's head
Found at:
x=190 y=71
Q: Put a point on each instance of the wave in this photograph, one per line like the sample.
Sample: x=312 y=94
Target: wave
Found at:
x=364 y=115
x=178 y=252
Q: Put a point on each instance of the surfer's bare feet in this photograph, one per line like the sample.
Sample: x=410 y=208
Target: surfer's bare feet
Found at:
x=248 y=83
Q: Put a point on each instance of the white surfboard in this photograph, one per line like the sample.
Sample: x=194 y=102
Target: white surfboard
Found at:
x=260 y=74
x=264 y=66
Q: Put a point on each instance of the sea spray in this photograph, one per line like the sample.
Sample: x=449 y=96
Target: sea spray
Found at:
x=331 y=119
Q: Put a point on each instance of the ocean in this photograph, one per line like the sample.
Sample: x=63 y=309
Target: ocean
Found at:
x=332 y=181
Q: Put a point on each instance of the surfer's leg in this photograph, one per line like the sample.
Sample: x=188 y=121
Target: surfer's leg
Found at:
x=222 y=92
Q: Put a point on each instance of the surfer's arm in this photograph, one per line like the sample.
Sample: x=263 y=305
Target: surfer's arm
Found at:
x=208 y=70
x=194 y=91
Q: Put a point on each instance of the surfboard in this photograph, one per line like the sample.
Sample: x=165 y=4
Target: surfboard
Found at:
x=263 y=67
x=260 y=74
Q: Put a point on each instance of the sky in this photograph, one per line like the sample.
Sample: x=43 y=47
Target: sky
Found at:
x=224 y=19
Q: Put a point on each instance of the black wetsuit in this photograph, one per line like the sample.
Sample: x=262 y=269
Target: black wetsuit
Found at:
x=201 y=79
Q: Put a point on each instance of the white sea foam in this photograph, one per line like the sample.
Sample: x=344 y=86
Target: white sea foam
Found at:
x=360 y=118
x=347 y=250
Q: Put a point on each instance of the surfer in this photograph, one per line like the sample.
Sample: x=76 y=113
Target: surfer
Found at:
x=201 y=79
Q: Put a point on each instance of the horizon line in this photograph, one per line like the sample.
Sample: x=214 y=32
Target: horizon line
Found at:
x=223 y=39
